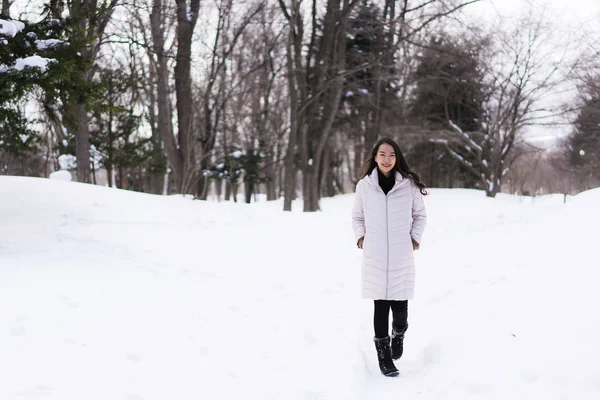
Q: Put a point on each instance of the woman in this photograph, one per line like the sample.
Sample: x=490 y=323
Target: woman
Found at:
x=388 y=219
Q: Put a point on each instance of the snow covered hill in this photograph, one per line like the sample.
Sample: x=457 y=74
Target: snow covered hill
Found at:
x=107 y=294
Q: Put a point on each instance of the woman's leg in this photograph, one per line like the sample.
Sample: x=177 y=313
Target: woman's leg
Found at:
x=381 y=318
x=399 y=315
x=399 y=327
x=382 y=338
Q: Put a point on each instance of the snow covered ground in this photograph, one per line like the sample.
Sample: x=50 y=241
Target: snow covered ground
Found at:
x=107 y=295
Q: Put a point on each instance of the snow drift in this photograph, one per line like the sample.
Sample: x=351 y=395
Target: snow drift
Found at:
x=108 y=294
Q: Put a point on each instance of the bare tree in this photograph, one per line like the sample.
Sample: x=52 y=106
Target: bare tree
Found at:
x=317 y=70
x=187 y=16
x=316 y=80
x=213 y=91
x=518 y=78
x=161 y=110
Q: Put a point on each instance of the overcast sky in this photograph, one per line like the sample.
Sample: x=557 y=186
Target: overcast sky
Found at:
x=568 y=13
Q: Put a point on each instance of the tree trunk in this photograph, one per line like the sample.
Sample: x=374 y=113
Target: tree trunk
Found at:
x=493 y=183
x=452 y=169
x=218 y=188
x=359 y=159
x=82 y=142
x=310 y=190
x=186 y=21
x=6 y=8
x=432 y=164
x=123 y=182
x=158 y=162
x=249 y=190
x=313 y=172
x=327 y=174
x=94 y=181
x=227 y=190
x=201 y=187
x=56 y=8
x=234 y=191
x=271 y=183
x=109 y=175
x=163 y=101
x=290 y=157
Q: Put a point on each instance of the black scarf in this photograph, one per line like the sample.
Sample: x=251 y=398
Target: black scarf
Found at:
x=386 y=183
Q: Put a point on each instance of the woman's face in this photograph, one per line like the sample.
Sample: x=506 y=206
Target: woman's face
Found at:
x=385 y=158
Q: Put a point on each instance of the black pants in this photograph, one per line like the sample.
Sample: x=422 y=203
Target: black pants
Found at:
x=381 y=316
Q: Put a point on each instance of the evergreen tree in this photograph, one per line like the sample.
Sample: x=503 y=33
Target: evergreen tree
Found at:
x=448 y=87
x=370 y=91
x=115 y=134
x=27 y=62
x=584 y=142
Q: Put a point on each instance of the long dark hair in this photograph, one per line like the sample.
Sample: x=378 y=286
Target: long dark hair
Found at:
x=401 y=165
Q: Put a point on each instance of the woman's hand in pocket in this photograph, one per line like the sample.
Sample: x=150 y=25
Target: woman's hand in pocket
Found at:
x=415 y=244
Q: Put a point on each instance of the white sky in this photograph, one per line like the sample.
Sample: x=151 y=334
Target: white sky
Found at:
x=582 y=12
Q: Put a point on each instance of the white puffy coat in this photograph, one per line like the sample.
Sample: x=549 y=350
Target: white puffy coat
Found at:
x=388 y=223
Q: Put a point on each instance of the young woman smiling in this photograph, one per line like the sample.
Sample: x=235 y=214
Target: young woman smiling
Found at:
x=388 y=219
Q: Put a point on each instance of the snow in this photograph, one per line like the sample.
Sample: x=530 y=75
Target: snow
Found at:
x=109 y=294
x=363 y=91
x=465 y=135
x=61 y=175
x=33 y=62
x=48 y=43
x=67 y=161
x=237 y=154
x=442 y=141
x=582 y=152
x=11 y=28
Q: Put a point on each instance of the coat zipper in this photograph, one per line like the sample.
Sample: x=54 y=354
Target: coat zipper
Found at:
x=387 y=229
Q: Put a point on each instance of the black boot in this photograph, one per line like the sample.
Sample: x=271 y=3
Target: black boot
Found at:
x=397 y=342
x=384 y=355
